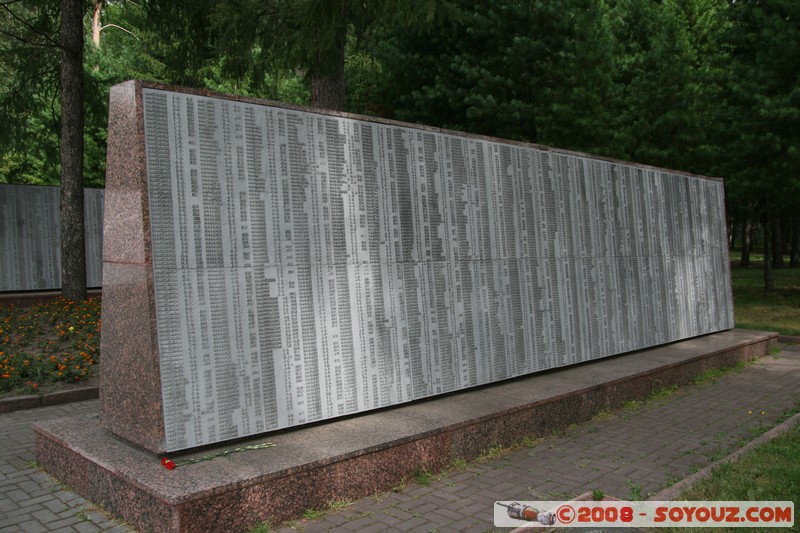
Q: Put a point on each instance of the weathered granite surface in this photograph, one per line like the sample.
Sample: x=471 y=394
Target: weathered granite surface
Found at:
x=355 y=456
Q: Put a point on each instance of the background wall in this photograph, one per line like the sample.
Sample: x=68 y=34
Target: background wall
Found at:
x=30 y=237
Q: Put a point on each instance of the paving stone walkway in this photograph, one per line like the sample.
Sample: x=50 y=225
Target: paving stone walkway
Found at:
x=30 y=500
x=631 y=452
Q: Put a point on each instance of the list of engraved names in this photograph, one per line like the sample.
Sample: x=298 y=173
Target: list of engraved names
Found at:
x=308 y=266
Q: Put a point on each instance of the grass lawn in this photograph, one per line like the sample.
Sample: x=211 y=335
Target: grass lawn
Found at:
x=770 y=472
x=777 y=311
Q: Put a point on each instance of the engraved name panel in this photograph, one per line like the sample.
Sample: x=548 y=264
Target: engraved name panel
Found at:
x=308 y=266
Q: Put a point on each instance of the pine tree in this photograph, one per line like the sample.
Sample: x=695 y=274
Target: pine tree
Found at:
x=73 y=251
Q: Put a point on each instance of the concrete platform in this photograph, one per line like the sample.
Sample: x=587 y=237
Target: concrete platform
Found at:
x=28 y=298
x=353 y=457
x=56 y=397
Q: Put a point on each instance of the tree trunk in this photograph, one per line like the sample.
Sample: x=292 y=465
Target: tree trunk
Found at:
x=777 y=244
x=327 y=92
x=794 y=254
x=769 y=280
x=732 y=234
x=327 y=78
x=747 y=234
x=97 y=9
x=73 y=252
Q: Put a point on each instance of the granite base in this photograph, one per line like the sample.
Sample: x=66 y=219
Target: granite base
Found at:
x=353 y=457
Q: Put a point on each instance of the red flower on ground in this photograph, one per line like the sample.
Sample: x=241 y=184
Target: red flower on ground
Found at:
x=169 y=464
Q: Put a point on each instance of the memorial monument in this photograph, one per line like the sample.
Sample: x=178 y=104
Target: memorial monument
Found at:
x=292 y=266
x=267 y=266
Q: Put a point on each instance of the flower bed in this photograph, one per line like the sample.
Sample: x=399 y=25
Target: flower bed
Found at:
x=50 y=343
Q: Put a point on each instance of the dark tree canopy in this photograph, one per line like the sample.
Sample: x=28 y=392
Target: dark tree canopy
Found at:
x=706 y=86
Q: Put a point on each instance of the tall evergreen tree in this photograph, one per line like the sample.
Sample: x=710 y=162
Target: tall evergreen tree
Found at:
x=763 y=113
x=29 y=54
x=73 y=251
x=666 y=81
x=309 y=36
x=534 y=71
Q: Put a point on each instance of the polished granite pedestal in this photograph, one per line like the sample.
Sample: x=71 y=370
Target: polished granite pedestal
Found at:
x=356 y=456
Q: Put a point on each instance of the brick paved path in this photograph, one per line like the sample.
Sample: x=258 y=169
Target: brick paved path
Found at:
x=634 y=451
x=30 y=500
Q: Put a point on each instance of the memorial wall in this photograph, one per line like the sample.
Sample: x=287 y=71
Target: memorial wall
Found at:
x=30 y=237
x=309 y=265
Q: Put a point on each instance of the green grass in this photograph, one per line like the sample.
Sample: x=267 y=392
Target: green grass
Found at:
x=50 y=343
x=713 y=374
x=308 y=515
x=777 y=311
x=423 y=476
x=263 y=527
x=769 y=472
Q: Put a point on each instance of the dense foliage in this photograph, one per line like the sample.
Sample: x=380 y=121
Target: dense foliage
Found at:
x=705 y=86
